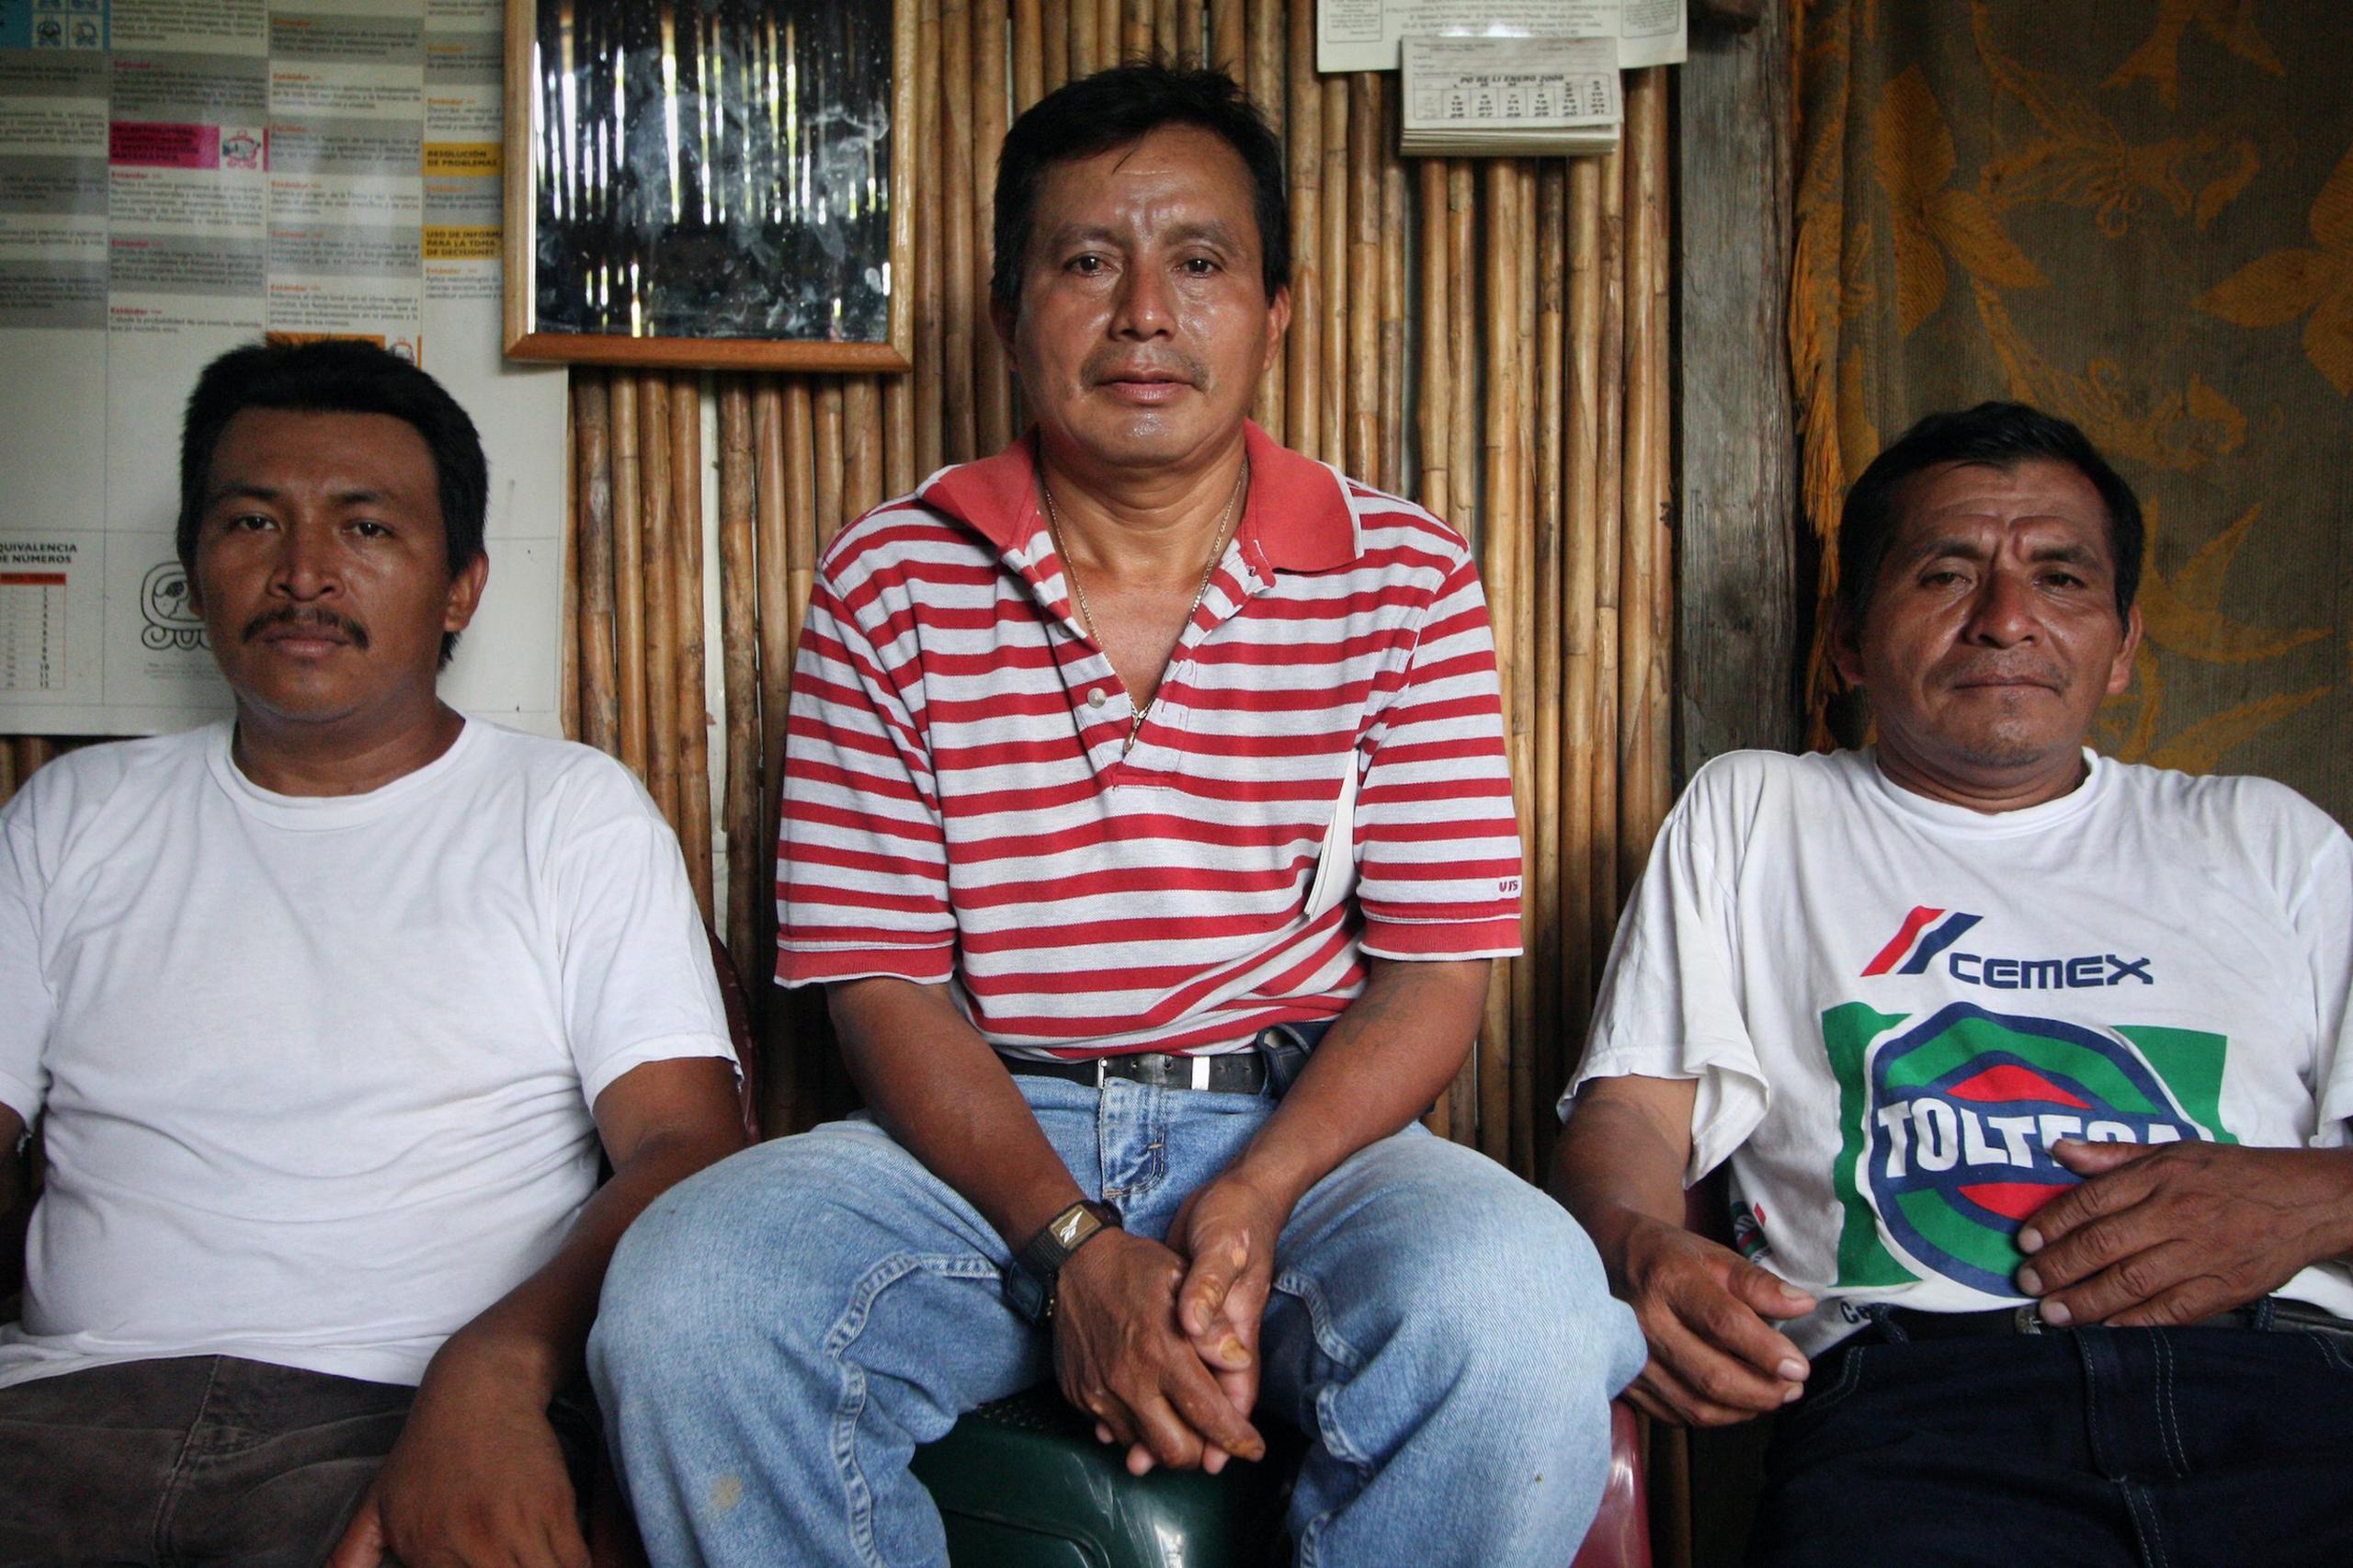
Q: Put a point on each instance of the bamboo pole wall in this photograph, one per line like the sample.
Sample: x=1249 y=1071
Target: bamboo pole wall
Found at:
x=1488 y=336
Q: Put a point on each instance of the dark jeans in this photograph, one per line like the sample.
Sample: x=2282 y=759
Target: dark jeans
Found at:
x=199 y=1459
x=2156 y=1447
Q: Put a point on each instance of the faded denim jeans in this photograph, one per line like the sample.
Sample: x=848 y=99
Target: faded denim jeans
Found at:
x=780 y=1332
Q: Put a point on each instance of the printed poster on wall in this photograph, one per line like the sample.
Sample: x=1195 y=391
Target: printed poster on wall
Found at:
x=178 y=177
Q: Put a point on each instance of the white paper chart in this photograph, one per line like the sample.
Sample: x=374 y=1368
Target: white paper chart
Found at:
x=178 y=177
x=1538 y=97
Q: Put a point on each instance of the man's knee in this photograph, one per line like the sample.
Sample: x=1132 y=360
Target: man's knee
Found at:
x=697 y=1277
x=1531 y=1305
x=761 y=1253
x=1494 y=1285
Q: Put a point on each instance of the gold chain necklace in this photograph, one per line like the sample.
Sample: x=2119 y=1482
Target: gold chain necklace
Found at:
x=1079 y=589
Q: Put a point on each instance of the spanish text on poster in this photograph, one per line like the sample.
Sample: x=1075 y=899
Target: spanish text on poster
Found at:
x=178 y=177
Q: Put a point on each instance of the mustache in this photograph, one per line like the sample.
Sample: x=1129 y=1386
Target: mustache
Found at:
x=1122 y=364
x=290 y=615
x=2035 y=671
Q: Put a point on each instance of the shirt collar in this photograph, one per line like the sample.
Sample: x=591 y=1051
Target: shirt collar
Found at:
x=2098 y=774
x=1300 y=517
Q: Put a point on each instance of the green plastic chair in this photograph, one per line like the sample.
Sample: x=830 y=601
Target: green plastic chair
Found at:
x=1023 y=1483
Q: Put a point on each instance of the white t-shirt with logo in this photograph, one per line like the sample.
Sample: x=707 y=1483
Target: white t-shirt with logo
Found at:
x=314 y=1076
x=1893 y=1007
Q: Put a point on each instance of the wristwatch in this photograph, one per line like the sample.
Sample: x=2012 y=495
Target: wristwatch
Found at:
x=1029 y=1283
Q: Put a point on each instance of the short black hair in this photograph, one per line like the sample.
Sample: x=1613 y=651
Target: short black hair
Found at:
x=1117 y=109
x=338 y=377
x=2003 y=434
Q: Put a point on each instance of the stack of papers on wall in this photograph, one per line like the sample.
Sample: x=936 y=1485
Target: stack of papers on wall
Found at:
x=1510 y=98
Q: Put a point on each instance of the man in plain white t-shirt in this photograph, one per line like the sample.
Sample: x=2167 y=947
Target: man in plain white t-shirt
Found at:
x=327 y=1016
x=2030 y=1069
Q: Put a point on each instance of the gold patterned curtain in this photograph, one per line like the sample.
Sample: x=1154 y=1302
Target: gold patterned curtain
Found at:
x=2137 y=214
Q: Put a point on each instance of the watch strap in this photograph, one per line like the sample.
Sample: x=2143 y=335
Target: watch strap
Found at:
x=1029 y=1283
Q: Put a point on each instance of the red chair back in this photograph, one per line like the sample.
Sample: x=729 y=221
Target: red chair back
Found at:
x=1621 y=1536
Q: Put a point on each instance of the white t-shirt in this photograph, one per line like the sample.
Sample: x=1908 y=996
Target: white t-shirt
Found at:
x=1894 y=1007
x=314 y=1076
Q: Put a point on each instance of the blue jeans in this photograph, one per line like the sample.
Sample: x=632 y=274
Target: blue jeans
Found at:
x=2097 y=1447
x=780 y=1332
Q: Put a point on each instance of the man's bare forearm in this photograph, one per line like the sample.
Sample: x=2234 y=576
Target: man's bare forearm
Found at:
x=1620 y=1159
x=940 y=1089
x=676 y=1119
x=1377 y=1067
x=477 y=1476
x=549 y=1314
x=1706 y=1312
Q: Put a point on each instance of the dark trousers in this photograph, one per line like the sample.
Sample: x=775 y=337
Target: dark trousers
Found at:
x=205 y=1459
x=194 y=1459
x=2153 y=1447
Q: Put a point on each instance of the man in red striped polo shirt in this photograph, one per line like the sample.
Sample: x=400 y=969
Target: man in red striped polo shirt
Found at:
x=1147 y=816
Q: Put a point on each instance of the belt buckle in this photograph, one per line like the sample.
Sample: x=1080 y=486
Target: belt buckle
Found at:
x=2028 y=1318
x=1102 y=1064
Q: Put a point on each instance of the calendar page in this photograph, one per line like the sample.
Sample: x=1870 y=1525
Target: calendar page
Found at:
x=1522 y=96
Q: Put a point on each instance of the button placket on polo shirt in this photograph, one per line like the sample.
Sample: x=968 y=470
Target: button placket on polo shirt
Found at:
x=1102 y=725
x=1170 y=717
x=1101 y=708
x=1098 y=706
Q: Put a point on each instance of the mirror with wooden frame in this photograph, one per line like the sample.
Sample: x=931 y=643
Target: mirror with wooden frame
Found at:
x=721 y=183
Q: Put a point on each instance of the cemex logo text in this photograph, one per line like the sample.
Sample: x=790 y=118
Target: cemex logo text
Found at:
x=1929 y=937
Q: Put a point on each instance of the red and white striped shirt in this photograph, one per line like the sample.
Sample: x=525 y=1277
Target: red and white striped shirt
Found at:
x=957 y=807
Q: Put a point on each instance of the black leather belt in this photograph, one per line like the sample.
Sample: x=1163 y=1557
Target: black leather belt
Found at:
x=2001 y=1323
x=1234 y=1072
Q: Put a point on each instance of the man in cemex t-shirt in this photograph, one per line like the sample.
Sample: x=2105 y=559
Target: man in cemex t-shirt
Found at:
x=2030 y=1067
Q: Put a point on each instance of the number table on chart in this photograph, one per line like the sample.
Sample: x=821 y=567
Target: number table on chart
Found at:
x=32 y=630
x=1505 y=99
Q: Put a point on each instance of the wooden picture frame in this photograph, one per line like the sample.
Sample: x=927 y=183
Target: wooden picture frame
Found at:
x=799 y=254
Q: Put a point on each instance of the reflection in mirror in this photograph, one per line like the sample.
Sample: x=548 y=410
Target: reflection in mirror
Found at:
x=713 y=169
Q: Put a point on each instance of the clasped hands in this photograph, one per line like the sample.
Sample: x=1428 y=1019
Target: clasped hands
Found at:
x=2153 y=1237
x=1159 y=1343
